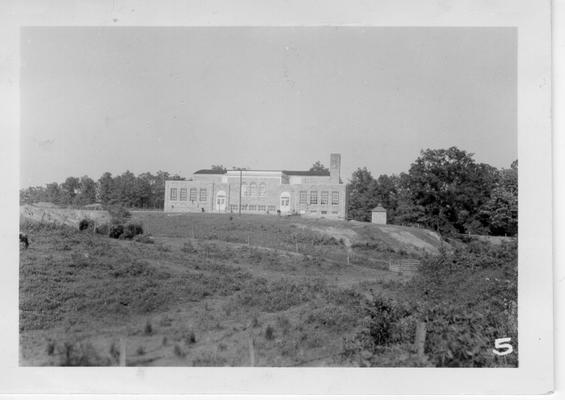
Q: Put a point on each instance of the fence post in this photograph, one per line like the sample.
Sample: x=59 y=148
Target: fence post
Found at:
x=122 y=352
x=251 y=350
x=420 y=339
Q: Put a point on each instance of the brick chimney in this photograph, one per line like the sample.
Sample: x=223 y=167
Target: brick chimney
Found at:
x=335 y=167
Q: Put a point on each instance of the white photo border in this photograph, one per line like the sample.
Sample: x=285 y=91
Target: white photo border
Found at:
x=535 y=316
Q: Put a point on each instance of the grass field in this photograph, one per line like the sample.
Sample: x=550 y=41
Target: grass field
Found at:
x=207 y=290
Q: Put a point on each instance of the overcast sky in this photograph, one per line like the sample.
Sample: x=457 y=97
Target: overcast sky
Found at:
x=182 y=99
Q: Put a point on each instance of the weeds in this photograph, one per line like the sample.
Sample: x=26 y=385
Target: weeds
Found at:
x=148 y=330
x=269 y=333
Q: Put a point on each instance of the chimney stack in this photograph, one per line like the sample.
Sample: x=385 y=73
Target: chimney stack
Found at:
x=335 y=167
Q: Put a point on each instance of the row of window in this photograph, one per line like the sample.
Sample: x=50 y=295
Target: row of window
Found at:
x=193 y=192
x=252 y=190
x=253 y=207
x=303 y=197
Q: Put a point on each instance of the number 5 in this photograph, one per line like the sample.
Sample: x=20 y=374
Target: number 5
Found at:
x=504 y=345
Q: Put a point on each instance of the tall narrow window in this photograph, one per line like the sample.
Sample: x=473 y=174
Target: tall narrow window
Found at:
x=203 y=195
x=252 y=189
x=335 y=198
x=262 y=189
x=303 y=197
x=173 y=194
x=192 y=194
x=324 y=198
x=244 y=189
x=183 y=194
x=313 y=197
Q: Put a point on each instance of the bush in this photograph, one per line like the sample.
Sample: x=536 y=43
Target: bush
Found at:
x=148 y=330
x=85 y=224
x=269 y=333
x=116 y=231
x=131 y=230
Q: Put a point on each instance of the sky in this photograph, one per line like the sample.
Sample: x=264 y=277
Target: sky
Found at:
x=143 y=99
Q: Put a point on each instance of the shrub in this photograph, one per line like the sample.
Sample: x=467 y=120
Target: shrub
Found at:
x=131 y=230
x=116 y=231
x=86 y=224
x=269 y=333
x=148 y=330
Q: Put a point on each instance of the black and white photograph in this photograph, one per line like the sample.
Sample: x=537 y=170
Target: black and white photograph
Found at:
x=307 y=197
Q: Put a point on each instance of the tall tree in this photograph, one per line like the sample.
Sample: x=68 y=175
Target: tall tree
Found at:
x=105 y=188
x=362 y=195
x=69 y=190
x=86 y=193
x=450 y=187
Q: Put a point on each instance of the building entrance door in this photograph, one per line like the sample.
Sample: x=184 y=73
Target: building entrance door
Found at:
x=221 y=201
x=285 y=203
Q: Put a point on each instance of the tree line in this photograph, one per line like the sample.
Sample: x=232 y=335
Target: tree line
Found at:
x=444 y=190
x=145 y=190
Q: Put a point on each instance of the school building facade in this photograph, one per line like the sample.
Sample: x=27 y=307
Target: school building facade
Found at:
x=316 y=194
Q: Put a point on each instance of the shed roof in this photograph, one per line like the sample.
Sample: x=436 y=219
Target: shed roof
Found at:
x=379 y=208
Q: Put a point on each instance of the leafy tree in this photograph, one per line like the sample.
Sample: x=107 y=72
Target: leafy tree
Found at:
x=362 y=195
x=70 y=189
x=319 y=167
x=500 y=212
x=53 y=193
x=450 y=187
x=105 y=188
x=86 y=193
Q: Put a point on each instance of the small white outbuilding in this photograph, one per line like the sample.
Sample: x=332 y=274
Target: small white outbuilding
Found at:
x=378 y=215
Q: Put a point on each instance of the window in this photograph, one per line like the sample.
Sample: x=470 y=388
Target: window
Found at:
x=253 y=189
x=285 y=201
x=262 y=208
x=252 y=207
x=313 y=197
x=303 y=197
x=244 y=189
x=324 y=212
x=244 y=207
x=193 y=194
x=335 y=198
x=203 y=195
x=183 y=194
x=271 y=208
x=173 y=193
x=262 y=189
x=324 y=198
x=234 y=208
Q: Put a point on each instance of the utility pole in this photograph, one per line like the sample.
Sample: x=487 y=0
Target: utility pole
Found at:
x=240 y=182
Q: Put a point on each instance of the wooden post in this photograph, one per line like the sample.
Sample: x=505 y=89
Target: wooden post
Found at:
x=122 y=352
x=251 y=350
x=420 y=339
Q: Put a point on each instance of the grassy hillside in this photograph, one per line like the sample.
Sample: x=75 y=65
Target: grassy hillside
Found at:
x=214 y=290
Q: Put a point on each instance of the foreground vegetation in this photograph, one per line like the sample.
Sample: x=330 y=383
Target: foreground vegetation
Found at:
x=220 y=290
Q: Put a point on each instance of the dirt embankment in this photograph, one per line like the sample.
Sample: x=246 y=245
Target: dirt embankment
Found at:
x=61 y=216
